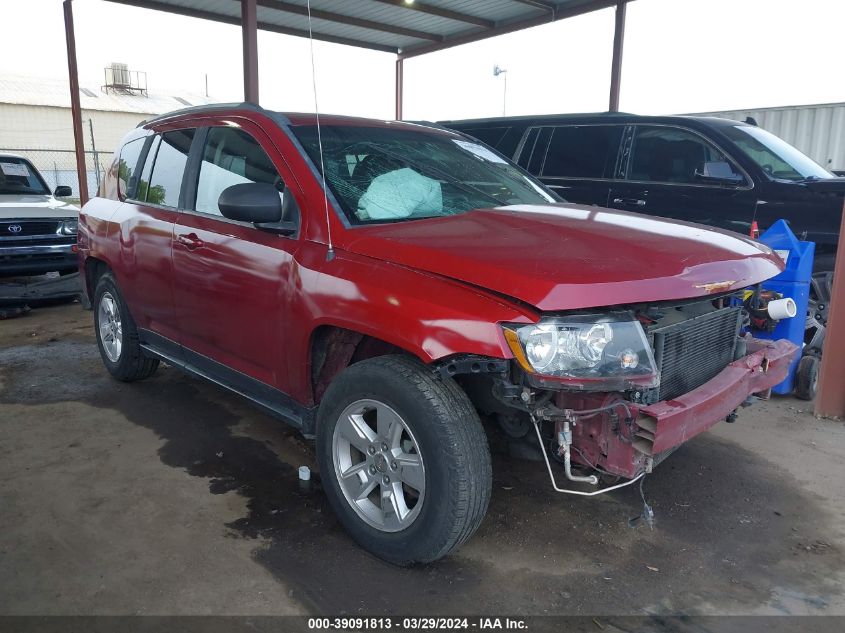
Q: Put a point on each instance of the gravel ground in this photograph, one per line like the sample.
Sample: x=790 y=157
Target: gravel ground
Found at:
x=171 y=496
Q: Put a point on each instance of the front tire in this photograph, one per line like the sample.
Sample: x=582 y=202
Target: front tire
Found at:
x=404 y=459
x=117 y=334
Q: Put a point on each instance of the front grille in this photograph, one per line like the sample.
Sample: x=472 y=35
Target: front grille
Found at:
x=56 y=240
x=692 y=352
x=37 y=227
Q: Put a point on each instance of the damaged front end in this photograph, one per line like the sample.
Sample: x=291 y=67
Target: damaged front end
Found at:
x=615 y=393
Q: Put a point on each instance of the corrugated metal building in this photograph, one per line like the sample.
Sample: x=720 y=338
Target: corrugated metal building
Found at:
x=817 y=130
x=35 y=121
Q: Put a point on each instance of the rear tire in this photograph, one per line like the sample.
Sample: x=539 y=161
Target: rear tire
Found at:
x=117 y=334
x=441 y=437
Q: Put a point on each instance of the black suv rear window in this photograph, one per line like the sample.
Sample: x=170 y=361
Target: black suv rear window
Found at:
x=583 y=151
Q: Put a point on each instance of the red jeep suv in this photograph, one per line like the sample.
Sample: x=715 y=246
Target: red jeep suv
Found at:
x=385 y=286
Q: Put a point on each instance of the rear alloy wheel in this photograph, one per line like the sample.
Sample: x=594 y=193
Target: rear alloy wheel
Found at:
x=117 y=335
x=110 y=327
x=404 y=459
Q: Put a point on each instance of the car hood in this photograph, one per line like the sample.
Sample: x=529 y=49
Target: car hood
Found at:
x=567 y=257
x=28 y=206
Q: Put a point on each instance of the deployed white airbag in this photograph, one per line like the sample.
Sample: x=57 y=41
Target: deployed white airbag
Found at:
x=399 y=194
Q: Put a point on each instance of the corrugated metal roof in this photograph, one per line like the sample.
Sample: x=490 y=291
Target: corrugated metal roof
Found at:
x=817 y=130
x=388 y=25
x=26 y=90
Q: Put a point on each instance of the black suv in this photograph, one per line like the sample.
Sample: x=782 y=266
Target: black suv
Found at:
x=700 y=169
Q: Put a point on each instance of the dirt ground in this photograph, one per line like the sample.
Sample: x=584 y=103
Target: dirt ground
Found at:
x=171 y=496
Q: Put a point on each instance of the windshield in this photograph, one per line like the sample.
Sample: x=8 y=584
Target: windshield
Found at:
x=18 y=176
x=774 y=155
x=388 y=175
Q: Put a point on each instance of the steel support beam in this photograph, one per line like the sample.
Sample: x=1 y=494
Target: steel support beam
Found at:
x=616 y=65
x=75 y=106
x=830 y=400
x=400 y=81
x=443 y=13
x=510 y=27
x=264 y=26
x=249 y=33
x=340 y=18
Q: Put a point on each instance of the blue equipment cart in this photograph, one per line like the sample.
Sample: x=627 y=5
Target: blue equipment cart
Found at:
x=793 y=282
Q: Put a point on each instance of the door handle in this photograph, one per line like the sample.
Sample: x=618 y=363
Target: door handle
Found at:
x=190 y=241
x=634 y=201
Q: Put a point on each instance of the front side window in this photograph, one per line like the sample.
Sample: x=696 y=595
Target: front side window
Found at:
x=18 y=176
x=673 y=155
x=169 y=168
x=775 y=156
x=231 y=157
x=583 y=151
x=383 y=174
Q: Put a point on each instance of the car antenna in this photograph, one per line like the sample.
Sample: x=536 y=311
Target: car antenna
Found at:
x=330 y=252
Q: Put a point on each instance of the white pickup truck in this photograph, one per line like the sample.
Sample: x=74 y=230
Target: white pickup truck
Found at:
x=37 y=230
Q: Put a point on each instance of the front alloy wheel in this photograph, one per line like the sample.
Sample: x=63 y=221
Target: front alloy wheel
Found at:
x=378 y=465
x=403 y=458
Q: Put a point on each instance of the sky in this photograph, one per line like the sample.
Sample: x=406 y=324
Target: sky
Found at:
x=680 y=56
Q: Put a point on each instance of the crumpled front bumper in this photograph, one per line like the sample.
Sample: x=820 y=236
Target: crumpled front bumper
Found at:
x=670 y=423
x=651 y=431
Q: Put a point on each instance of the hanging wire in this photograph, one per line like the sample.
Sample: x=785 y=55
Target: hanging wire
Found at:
x=330 y=252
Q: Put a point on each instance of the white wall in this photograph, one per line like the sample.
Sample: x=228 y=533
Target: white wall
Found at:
x=817 y=130
x=44 y=127
x=44 y=135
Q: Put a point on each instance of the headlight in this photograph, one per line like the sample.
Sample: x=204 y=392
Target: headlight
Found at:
x=69 y=227
x=608 y=351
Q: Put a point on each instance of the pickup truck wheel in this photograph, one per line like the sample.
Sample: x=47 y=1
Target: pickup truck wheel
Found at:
x=117 y=335
x=404 y=459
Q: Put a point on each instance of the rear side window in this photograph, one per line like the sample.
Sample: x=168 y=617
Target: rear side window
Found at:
x=128 y=169
x=535 y=165
x=534 y=149
x=670 y=154
x=583 y=151
x=231 y=157
x=528 y=147
x=169 y=168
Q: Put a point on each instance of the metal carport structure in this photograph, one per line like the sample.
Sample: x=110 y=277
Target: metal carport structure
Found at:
x=405 y=28
x=410 y=28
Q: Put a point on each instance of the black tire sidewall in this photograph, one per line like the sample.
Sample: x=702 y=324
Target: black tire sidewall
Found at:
x=805 y=379
x=424 y=539
x=128 y=353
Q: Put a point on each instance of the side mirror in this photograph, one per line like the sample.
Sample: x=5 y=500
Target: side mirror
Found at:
x=63 y=191
x=255 y=202
x=718 y=172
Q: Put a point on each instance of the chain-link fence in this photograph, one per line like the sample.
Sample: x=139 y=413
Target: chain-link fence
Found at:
x=58 y=167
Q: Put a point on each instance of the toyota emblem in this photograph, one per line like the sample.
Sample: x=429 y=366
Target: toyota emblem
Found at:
x=15 y=228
